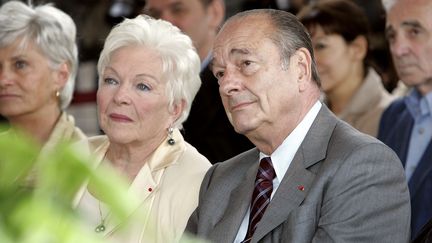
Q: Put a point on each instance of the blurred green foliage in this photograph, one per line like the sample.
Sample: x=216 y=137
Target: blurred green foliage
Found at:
x=37 y=191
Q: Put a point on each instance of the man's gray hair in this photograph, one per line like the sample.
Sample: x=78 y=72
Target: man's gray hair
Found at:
x=387 y=4
x=288 y=35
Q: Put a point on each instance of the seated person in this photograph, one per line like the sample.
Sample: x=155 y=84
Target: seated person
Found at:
x=148 y=77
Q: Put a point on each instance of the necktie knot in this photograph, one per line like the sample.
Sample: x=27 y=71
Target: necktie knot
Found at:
x=266 y=170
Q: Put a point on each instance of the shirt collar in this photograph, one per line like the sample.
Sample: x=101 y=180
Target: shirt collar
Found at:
x=284 y=154
x=206 y=61
x=418 y=105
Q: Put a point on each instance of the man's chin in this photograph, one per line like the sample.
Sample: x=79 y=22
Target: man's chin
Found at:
x=414 y=81
x=243 y=128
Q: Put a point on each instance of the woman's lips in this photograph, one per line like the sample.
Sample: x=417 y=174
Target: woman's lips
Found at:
x=120 y=117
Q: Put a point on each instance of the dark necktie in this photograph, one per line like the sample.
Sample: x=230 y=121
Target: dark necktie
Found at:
x=261 y=195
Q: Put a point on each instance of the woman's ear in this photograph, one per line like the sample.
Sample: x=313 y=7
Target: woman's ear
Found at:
x=216 y=13
x=177 y=109
x=62 y=76
x=359 y=47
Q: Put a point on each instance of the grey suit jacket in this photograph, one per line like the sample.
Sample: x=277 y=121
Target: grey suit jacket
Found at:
x=354 y=190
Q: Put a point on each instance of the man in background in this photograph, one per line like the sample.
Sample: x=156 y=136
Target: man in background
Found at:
x=207 y=127
x=406 y=125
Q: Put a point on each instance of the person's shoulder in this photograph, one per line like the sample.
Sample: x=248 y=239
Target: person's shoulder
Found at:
x=396 y=106
x=350 y=148
x=346 y=138
x=187 y=171
x=193 y=160
x=95 y=141
x=78 y=135
x=91 y=144
x=236 y=165
x=393 y=112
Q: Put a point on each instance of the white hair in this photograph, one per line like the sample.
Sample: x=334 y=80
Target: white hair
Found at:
x=388 y=4
x=180 y=61
x=52 y=30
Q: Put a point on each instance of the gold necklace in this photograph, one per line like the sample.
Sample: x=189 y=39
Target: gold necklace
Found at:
x=101 y=226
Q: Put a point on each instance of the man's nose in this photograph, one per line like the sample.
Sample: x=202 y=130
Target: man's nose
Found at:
x=231 y=81
x=399 y=46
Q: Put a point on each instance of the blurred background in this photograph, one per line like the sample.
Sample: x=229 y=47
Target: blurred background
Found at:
x=94 y=19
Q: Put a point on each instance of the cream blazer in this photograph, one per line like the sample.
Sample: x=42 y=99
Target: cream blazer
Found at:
x=364 y=110
x=167 y=185
x=64 y=131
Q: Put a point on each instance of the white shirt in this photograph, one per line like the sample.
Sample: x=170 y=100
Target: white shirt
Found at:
x=281 y=159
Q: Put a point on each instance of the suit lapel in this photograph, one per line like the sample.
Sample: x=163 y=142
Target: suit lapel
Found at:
x=239 y=200
x=297 y=181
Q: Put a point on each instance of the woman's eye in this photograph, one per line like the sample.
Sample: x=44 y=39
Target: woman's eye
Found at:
x=319 y=46
x=143 y=87
x=20 y=64
x=110 y=81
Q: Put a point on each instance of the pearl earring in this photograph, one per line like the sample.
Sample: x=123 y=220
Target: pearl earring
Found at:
x=171 y=141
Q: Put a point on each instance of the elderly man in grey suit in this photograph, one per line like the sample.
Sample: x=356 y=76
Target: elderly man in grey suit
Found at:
x=311 y=177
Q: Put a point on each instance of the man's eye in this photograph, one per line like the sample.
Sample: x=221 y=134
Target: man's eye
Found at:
x=390 y=37
x=247 y=63
x=142 y=87
x=413 y=32
x=219 y=74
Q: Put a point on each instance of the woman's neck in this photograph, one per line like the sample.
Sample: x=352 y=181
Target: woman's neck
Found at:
x=38 y=125
x=128 y=159
x=340 y=97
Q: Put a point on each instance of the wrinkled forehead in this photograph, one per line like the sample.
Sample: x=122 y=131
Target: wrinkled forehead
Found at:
x=403 y=11
x=246 y=33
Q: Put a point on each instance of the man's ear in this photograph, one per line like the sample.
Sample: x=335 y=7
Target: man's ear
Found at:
x=359 y=47
x=302 y=62
x=216 y=13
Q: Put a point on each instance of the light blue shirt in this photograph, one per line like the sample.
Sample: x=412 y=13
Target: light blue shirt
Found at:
x=420 y=108
x=282 y=157
x=206 y=61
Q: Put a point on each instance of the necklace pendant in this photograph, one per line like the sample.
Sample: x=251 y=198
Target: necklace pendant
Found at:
x=100 y=228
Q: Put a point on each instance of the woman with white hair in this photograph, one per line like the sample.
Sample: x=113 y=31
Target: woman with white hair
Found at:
x=38 y=64
x=148 y=77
